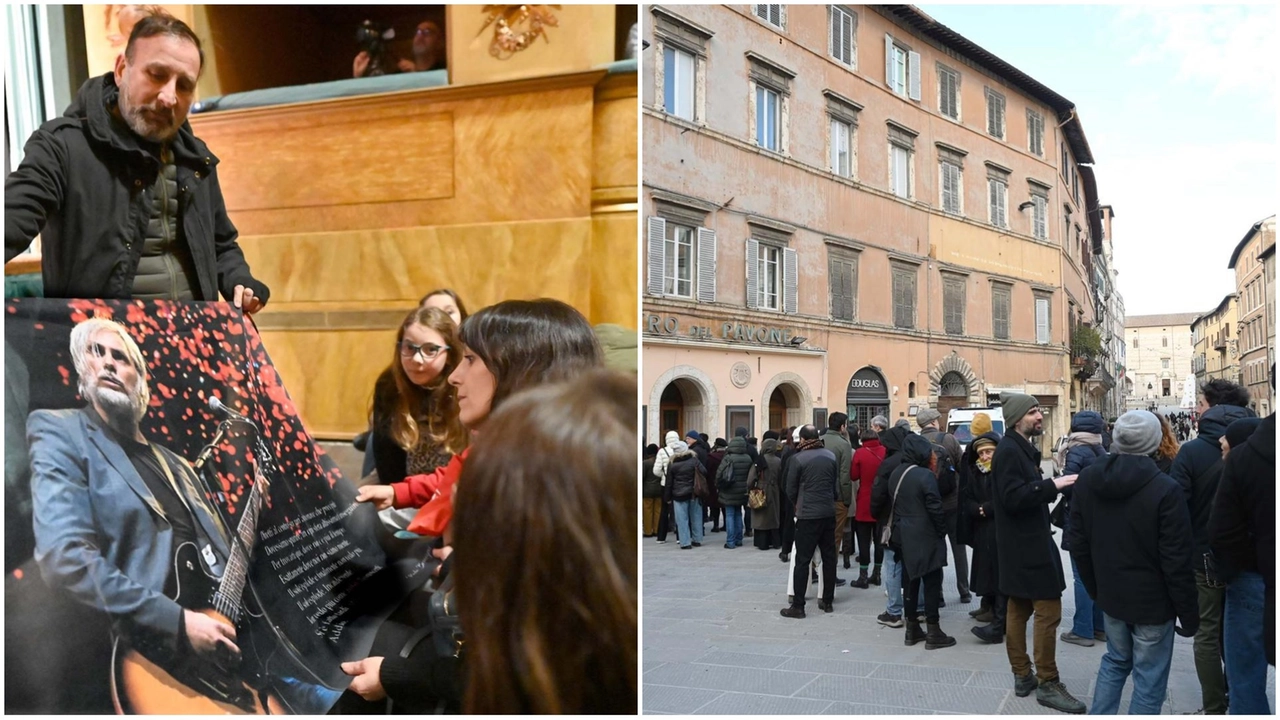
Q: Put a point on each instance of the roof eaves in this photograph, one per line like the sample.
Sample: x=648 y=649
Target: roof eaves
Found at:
x=1235 y=254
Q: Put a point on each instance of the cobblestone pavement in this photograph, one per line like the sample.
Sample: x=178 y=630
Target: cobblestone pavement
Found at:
x=715 y=644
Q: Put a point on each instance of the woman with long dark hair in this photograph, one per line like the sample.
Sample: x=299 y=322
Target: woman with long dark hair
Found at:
x=550 y=621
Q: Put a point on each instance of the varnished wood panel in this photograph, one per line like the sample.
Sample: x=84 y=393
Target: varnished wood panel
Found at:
x=615 y=156
x=614 y=296
x=584 y=38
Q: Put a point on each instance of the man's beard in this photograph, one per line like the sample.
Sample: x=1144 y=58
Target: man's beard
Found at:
x=156 y=129
x=119 y=408
x=1031 y=430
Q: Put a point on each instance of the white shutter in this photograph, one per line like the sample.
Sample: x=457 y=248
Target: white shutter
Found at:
x=776 y=15
x=888 y=62
x=706 y=265
x=833 y=31
x=913 y=73
x=790 y=281
x=753 y=252
x=657 y=254
x=1042 y=321
x=991 y=201
x=846 y=38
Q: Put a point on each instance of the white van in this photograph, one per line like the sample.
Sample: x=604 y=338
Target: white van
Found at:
x=958 y=421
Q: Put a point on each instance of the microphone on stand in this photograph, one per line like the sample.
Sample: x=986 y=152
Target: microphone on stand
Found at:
x=217 y=406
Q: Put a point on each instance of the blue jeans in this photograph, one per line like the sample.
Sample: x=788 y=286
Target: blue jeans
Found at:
x=733 y=525
x=688 y=521
x=892 y=582
x=1088 y=619
x=1146 y=652
x=1242 y=636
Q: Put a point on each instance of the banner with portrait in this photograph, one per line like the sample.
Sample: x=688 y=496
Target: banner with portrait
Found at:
x=149 y=508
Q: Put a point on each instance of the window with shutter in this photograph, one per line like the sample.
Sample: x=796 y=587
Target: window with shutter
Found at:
x=1040 y=217
x=841 y=140
x=769 y=276
x=678 y=261
x=842 y=36
x=900 y=170
x=790 y=281
x=753 y=269
x=706 y=255
x=950 y=188
x=953 y=304
x=1001 y=302
x=913 y=75
x=678 y=82
x=997 y=194
x=841 y=279
x=898 y=69
x=768 y=115
x=771 y=14
x=1042 y=320
x=995 y=114
x=1035 y=132
x=904 y=297
x=949 y=92
x=657 y=255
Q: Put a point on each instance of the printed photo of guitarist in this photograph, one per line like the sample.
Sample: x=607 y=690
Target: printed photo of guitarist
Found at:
x=121 y=524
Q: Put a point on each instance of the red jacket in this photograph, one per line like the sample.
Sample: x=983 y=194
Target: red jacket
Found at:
x=433 y=495
x=866 y=461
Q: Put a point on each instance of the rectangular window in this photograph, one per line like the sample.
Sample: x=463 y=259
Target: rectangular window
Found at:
x=898 y=65
x=768 y=115
x=949 y=92
x=900 y=170
x=998 y=202
x=771 y=14
x=1040 y=217
x=1164 y=341
x=1035 y=132
x=1001 y=304
x=1164 y=388
x=1042 y=320
x=768 y=262
x=677 y=79
x=904 y=296
x=995 y=114
x=951 y=188
x=953 y=304
x=841 y=136
x=842 y=278
x=678 y=261
x=841 y=39
x=901 y=69
x=1164 y=363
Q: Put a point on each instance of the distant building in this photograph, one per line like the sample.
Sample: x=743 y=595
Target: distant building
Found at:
x=1257 y=317
x=854 y=208
x=1216 y=352
x=1160 y=352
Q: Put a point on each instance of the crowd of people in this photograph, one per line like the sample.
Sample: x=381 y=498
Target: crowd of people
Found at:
x=499 y=434
x=1164 y=537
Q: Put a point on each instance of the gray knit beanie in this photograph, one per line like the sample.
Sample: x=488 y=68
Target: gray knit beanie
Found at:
x=1137 y=432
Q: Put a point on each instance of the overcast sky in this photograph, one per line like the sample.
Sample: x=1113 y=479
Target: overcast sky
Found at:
x=1179 y=106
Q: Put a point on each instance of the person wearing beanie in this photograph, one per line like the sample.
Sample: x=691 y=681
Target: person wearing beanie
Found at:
x=1237 y=433
x=891 y=440
x=903 y=423
x=1197 y=469
x=767 y=520
x=834 y=440
x=979 y=530
x=1130 y=536
x=980 y=425
x=731 y=484
x=1030 y=564
x=1082 y=449
x=866 y=462
x=1242 y=534
x=811 y=485
x=919 y=532
x=688 y=508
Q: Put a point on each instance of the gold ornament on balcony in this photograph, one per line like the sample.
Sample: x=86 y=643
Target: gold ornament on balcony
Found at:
x=516 y=27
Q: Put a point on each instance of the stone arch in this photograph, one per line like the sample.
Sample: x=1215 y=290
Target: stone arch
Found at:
x=790 y=382
x=699 y=380
x=956 y=364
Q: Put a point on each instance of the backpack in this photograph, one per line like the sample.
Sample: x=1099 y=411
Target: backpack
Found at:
x=701 y=490
x=948 y=478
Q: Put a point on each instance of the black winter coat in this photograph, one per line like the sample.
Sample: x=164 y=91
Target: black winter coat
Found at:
x=919 y=523
x=836 y=443
x=1030 y=563
x=977 y=508
x=85 y=184
x=881 y=493
x=682 y=473
x=731 y=475
x=650 y=486
x=768 y=517
x=1131 y=540
x=1194 y=469
x=811 y=484
x=1242 y=528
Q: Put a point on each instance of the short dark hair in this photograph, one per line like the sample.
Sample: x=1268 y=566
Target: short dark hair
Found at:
x=1224 y=392
x=837 y=420
x=869 y=434
x=740 y=432
x=162 y=23
x=530 y=342
x=808 y=432
x=457 y=301
x=650 y=449
x=704 y=437
x=770 y=435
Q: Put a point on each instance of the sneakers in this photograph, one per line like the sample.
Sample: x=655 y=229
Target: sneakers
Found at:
x=893 y=621
x=686 y=547
x=825 y=607
x=1053 y=694
x=1074 y=639
x=1024 y=684
x=792 y=612
x=992 y=634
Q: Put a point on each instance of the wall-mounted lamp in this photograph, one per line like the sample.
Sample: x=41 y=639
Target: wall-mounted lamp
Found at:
x=1025 y=205
x=895 y=389
x=798 y=340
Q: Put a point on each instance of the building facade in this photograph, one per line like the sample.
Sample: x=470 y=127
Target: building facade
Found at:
x=1216 y=347
x=1159 y=354
x=853 y=208
x=1257 y=324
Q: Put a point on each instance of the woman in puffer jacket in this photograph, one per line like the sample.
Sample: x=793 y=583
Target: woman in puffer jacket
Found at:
x=680 y=476
x=1083 y=447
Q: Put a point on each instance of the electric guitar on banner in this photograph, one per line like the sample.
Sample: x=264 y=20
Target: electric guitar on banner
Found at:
x=189 y=685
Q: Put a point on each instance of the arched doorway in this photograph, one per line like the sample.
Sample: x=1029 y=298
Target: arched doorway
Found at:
x=681 y=408
x=953 y=392
x=867 y=396
x=785 y=407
